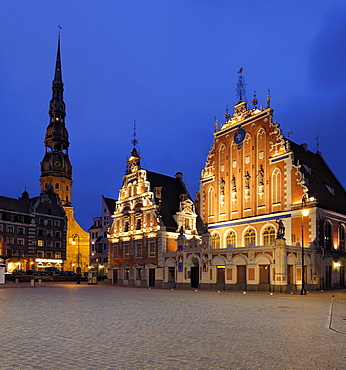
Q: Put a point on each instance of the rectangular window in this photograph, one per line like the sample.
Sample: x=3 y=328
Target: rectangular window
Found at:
x=115 y=252
x=49 y=243
x=21 y=218
x=57 y=255
x=138 y=274
x=49 y=222
x=49 y=254
x=20 y=241
x=57 y=244
x=1 y=228
x=40 y=232
x=126 y=251
x=126 y=274
x=20 y=230
x=58 y=234
x=40 y=243
x=10 y=229
x=49 y=233
x=41 y=221
x=40 y=254
x=104 y=246
x=138 y=253
x=9 y=241
x=56 y=223
x=152 y=249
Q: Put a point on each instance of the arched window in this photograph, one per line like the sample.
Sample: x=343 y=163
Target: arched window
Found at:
x=268 y=235
x=249 y=237
x=215 y=242
x=211 y=195
x=57 y=185
x=327 y=237
x=276 y=186
x=342 y=238
x=231 y=239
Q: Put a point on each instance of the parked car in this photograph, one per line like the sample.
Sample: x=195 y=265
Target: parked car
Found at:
x=18 y=272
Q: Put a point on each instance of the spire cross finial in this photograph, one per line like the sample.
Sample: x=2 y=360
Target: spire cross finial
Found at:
x=134 y=141
x=59 y=28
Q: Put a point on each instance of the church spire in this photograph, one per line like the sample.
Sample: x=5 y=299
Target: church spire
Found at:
x=56 y=169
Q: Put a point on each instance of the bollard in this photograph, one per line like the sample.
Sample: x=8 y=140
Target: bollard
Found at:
x=17 y=280
x=39 y=282
x=32 y=282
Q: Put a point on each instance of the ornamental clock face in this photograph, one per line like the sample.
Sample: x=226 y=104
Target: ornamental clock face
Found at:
x=57 y=163
x=239 y=137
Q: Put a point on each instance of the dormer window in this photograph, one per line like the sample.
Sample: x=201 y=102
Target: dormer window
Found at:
x=330 y=189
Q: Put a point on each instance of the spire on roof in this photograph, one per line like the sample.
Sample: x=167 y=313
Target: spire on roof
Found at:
x=58 y=72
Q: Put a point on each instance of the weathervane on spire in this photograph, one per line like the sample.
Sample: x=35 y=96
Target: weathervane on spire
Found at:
x=241 y=87
x=60 y=28
x=134 y=140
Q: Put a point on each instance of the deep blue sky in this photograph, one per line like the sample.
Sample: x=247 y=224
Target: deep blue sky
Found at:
x=171 y=66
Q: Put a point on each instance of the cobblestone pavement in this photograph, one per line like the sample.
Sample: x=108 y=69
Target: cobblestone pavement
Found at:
x=70 y=326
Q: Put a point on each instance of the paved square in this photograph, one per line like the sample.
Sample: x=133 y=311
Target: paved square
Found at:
x=70 y=326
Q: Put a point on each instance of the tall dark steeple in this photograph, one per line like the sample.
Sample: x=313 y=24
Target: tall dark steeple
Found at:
x=56 y=169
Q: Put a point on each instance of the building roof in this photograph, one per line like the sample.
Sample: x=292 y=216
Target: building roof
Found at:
x=110 y=203
x=172 y=189
x=320 y=180
x=29 y=205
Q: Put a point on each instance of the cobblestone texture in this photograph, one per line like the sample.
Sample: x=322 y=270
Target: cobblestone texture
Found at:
x=69 y=326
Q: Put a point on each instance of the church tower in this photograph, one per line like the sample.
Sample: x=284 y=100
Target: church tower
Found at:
x=56 y=169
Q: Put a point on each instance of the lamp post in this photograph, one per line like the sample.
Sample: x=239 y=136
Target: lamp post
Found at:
x=74 y=237
x=305 y=212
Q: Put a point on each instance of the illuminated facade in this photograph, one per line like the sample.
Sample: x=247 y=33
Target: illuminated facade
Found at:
x=151 y=213
x=56 y=171
x=98 y=238
x=253 y=189
x=32 y=232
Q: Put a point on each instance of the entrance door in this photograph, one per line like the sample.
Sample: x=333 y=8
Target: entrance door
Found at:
x=194 y=276
x=328 y=276
x=241 y=274
x=152 y=277
x=220 y=278
x=342 y=275
x=264 y=274
x=115 y=276
x=289 y=274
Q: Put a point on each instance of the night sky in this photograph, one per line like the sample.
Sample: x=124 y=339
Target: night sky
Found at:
x=171 y=66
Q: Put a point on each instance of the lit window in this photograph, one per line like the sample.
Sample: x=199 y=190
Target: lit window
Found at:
x=138 y=253
x=250 y=237
x=40 y=243
x=269 y=235
x=327 y=235
x=342 y=238
x=231 y=239
x=126 y=251
x=115 y=252
x=152 y=252
x=215 y=242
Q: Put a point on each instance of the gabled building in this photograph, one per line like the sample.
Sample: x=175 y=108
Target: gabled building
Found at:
x=99 y=238
x=253 y=188
x=56 y=171
x=33 y=231
x=151 y=212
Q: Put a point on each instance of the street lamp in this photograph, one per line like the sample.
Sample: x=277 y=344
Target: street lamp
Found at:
x=74 y=237
x=305 y=212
